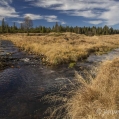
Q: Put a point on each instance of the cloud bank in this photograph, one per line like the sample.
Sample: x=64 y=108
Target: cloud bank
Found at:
x=103 y=11
x=48 y=18
x=6 y=10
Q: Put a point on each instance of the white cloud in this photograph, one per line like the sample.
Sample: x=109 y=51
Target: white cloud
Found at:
x=95 y=22
x=48 y=18
x=33 y=16
x=105 y=10
x=6 y=10
x=63 y=22
x=111 y=16
x=18 y=21
x=51 y=18
x=86 y=13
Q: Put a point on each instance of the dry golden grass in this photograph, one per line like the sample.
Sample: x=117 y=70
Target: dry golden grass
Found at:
x=65 y=47
x=100 y=98
x=94 y=99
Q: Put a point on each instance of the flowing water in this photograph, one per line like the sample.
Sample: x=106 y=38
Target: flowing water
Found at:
x=24 y=81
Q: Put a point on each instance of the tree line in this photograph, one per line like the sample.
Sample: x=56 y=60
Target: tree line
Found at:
x=27 y=27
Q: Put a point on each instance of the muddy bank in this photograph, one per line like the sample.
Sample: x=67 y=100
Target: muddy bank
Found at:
x=25 y=81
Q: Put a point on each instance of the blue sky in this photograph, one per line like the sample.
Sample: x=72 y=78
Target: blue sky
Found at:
x=65 y=12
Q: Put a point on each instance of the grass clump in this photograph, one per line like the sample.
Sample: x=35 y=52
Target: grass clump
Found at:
x=94 y=99
x=72 y=64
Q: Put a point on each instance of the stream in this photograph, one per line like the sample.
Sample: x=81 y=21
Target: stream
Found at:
x=25 y=80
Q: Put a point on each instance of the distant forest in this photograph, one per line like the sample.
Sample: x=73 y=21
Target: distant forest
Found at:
x=90 y=31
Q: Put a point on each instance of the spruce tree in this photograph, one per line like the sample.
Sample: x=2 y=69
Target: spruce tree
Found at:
x=3 y=26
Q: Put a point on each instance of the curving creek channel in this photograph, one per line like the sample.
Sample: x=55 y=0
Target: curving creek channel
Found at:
x=25 y=80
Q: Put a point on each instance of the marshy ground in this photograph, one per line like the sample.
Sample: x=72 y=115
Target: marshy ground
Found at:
x=58 y=48
x=25 y=80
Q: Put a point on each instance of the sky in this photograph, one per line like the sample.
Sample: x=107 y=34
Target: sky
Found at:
x=66 y=12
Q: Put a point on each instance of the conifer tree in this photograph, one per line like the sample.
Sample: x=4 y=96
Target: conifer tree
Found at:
x=3 y=25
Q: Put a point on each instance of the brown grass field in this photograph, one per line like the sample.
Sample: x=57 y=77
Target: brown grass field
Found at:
x=94 y=99
x=100 y=98
x=60 y=48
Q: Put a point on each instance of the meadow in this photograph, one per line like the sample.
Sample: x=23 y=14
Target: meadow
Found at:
x=58 y=48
